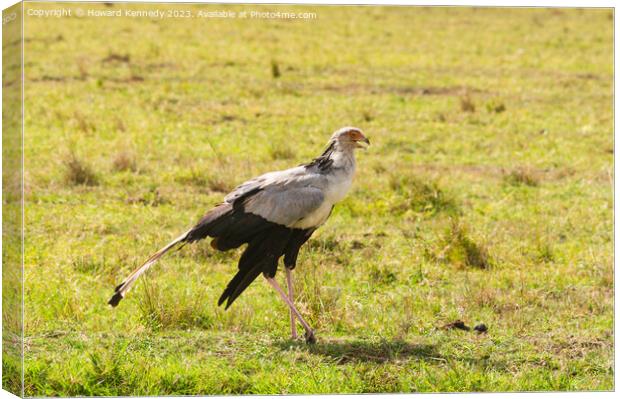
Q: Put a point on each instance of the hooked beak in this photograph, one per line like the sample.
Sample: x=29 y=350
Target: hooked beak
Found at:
x=362 y=140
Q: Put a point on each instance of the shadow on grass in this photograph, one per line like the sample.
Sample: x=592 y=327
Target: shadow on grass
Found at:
x=359 y=350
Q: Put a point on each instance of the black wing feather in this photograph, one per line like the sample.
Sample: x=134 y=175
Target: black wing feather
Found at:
x=298 y=238
x=261 y=255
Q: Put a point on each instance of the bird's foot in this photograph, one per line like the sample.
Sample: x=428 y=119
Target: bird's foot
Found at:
x=310 y=338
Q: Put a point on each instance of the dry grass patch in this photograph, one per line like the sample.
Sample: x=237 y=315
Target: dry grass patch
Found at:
x=82 y=123
x=281 y=150
x=421 y=195
x=461 y=250
x=123 y=161
x=522 y=176
x=220 y=184
x=78 y=172
x=467 y=104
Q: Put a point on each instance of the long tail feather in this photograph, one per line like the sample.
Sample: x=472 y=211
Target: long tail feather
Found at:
x=121 y=290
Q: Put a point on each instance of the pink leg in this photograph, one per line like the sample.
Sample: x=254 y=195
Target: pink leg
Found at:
x=289 y=284
x=309 y=333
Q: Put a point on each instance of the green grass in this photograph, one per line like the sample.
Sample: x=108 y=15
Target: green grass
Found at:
x=486 y=196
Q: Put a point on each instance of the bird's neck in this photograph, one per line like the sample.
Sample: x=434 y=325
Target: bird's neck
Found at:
x=343 y=158
x=337 y=158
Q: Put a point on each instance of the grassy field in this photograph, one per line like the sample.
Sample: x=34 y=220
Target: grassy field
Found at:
x=486 y=196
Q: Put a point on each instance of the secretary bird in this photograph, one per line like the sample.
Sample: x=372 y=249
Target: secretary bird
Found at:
x=274 y=214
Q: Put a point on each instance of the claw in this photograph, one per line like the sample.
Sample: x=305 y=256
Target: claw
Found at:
x=310 y=338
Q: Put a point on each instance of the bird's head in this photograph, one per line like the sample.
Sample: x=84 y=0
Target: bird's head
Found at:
x=350 y=138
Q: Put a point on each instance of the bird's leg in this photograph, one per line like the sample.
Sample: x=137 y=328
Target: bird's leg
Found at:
x=289 y=284
x=309 y=333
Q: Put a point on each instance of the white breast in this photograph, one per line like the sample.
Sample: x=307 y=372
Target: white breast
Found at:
x=337 y=188
x=316 y=218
